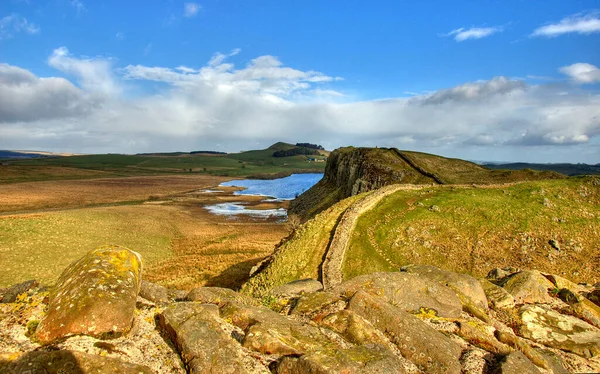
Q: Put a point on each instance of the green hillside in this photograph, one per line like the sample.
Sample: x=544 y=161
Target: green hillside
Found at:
x=550 y=225
x=250 y=163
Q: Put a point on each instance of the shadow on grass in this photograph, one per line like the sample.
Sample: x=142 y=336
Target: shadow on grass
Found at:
x=234 y=276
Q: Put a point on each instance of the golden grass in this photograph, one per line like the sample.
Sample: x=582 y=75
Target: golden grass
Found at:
x=27 y=196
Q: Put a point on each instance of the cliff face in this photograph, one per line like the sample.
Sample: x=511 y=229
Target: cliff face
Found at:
x=351 y=171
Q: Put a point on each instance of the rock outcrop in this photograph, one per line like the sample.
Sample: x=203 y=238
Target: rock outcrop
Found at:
x=94 y=296
x=414 y=321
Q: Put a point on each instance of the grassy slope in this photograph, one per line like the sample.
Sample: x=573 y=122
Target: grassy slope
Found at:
x=300 y=257
x=89 y=166
x=477 y=229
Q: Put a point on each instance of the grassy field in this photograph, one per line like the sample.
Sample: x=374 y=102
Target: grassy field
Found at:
x=161 y=217
x=475 y=229
x=241 y=164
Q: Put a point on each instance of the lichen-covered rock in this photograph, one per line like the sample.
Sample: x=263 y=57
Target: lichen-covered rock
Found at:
x=560 y=283
x=560 y=331
x=10 y=294
x=314 y=302
x=270 y=333
x=408 y=292
x=202 y=344
x=482 y=336
x=554 y=362
x=154 y=292
x=95 y=295
x=429 y=349
x=516 y=362
x=496 y=295
x=219 y=296
x=582 y=307
x=71 y=362
x=297 y=287
x=529 y=287
x=353 y=327
x=464 y=284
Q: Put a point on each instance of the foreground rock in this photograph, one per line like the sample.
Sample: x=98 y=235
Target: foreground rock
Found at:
x=528 y=287
x=63 y=362
x=10 y=295
x=434 y=354
x=516 y=362
x=94 y=296
x=203 y=345
x=560 y=331
x=409 y=292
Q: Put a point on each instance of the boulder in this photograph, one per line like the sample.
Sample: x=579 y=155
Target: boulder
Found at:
x=467 y=286
x=594 y=296
x=560 y=283
x=409 y=292
x=497 y=274
x=72 y=362
x=582 y=307
x=555 y=363
x=204 y=347
x=154 y=292
x=297 y=287
x=496 y=295
x=219 y=296
x=95 y=296
x=516 y=362
x=429 y=349
x=528 y=287
x=560 y=331
x=10 y=294
x=353 y=327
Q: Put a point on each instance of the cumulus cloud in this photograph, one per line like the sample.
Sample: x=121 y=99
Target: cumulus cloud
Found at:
x=462 y=34
x=26 y=97
x=225 y=107
x=13 y=24
x=191 y=9
x=586 y=23
x=94 y=74
x=582 y=73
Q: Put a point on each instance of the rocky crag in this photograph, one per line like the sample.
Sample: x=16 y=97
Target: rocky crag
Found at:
x=351 y=171
x=419 y=319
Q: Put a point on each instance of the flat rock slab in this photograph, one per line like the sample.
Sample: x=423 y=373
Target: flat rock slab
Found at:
x=464 y=284
x=10 y=294
x=219 y=296
x=528 y=287
x=559 y=331
x=408 y=292
x=298 y=287
x=95 y=296
x=202 y=343
x=429 y=349
x=516 y=362
x=71 y=362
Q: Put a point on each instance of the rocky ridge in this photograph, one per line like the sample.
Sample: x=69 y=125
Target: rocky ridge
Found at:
x=418 y=319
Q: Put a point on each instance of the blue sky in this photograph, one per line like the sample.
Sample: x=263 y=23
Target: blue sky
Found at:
x=487 y=80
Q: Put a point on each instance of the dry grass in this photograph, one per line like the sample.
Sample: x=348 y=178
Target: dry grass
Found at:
x=181 y=243
x=20 y=173
x=22 y=197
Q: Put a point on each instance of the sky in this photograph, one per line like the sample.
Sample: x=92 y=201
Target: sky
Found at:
x=494 y=80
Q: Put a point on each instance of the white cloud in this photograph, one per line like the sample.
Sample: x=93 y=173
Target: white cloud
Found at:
x=191 y=9
x=120 y=35
x=147 y=49
x=94 y=74
x=582 y=73
x=462 y=34
x=13 y=24
x=266 y=101
x=579 y=23
x=78 y=5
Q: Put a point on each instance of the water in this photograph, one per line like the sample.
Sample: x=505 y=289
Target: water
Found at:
x=283 y=188
x=274 y=189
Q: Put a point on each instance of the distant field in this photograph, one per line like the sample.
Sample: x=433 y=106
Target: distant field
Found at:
x=16 y=197
x=474 y=229
x=241 y=164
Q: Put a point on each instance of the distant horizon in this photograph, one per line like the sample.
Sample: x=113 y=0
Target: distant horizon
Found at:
x=511 y=80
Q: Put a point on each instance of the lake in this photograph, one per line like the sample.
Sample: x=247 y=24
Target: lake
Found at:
x=273 y=190
x=283 y=188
